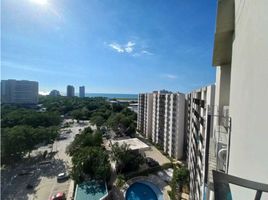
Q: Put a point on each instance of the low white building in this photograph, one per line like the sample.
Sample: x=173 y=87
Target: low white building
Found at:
x=133 y=144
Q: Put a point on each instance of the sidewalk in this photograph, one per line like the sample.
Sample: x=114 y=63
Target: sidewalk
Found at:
x=70 y=195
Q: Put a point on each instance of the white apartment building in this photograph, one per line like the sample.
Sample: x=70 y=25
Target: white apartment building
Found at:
x=19 y=92
x=240 y=56
x=198 y=129
x=174 y=125
x=148 y=111
x=140 y=116
x=158 y=122
x=161 y=119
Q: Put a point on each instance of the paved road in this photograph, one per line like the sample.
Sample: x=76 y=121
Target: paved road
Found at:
x=43 y=177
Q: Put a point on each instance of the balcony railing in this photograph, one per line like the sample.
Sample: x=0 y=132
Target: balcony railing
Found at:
x=222 y=189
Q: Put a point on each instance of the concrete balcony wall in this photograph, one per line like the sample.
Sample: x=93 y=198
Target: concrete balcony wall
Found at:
x=249 y=93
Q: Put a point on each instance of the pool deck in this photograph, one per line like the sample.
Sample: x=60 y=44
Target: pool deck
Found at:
x=163 y=186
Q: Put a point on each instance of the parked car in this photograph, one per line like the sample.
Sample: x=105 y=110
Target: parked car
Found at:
x=58 y=196
x=62 y=176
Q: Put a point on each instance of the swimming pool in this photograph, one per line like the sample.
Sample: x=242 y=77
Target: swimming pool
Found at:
x=143 y=190
x=93 y=190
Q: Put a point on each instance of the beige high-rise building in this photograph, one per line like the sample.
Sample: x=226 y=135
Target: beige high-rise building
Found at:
x=158 y=122
x=144 y=122
x=19 y=92
x=198 y=131
x=161 y=119
x=140 y=116
x=232 y=161
x=174 y=125
x=148 y=111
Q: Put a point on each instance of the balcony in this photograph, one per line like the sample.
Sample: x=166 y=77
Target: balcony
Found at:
x=222 y=183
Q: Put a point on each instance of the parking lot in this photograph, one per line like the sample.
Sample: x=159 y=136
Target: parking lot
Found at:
x=39 y=174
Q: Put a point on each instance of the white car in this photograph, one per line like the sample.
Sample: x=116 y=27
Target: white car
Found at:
x=62 y=176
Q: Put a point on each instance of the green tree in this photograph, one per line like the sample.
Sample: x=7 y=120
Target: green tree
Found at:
x=98 y=120
x=87 y=138
x=22 y=116
x=126 y=159
x=90 y=162
x=19 y=140
x=180 y=178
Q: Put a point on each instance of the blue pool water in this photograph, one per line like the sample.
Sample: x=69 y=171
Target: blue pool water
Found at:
x=93 y=190
x=143 y=191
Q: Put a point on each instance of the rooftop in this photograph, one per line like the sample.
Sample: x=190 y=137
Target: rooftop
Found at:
x=134 y=143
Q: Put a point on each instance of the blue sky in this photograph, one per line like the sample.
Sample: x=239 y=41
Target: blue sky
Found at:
x=110 y=46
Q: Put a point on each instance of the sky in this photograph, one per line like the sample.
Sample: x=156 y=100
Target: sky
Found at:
x=109 y=46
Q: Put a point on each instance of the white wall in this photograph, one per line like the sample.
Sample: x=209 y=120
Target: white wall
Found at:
x=223 y=85
x=249 y=93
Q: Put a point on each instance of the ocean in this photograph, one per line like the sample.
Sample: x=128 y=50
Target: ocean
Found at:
x=111 y=96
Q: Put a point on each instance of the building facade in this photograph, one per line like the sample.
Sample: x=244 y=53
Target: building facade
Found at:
x=161 y=119
x=82 y=91
x=19 y=92
x=140 y=116
x=174 y=125
x=144 y=122
x=240 y=58
x=158 y=117
x=70 y=91
x=148 y=109
x=198 y=131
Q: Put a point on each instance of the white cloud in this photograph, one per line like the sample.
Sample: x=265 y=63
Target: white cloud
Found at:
x=143 y=52
x=116 y=47
x=127 y=48
x=146 y=52
x=170 y=76
x=130 y=44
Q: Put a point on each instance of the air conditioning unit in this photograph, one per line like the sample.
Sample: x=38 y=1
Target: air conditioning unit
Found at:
x=221 y=161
